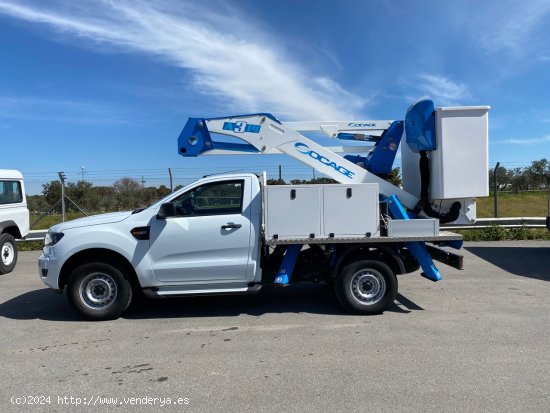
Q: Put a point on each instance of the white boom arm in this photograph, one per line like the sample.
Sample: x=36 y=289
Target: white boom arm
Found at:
x=359 y=128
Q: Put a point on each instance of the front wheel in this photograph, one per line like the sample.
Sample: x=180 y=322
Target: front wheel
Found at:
x=366 y=287
x=99 y=291
x=8 y=253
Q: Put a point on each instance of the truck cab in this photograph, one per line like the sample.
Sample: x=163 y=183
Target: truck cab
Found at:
x=202 y=239
x=14 y=217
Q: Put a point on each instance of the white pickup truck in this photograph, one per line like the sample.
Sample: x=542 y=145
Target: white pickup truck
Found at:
x=216 y=236
x=14 y=217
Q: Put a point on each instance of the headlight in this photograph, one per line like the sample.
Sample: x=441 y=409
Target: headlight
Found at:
x=52 y=238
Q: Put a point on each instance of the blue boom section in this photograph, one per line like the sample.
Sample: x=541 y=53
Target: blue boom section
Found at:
x=195 y=139
x=380 y=159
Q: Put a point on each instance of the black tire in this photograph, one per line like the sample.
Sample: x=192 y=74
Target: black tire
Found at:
x=99 y=291
x=8 y=253
x=366 y=287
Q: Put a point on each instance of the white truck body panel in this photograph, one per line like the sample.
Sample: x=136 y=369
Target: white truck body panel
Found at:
x=324 y=211
x=293 y=217
x=351 y=216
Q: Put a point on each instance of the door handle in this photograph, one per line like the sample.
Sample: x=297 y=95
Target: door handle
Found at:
x=231 y=226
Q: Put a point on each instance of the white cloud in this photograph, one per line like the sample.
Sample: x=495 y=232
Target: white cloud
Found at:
x=508 y=25
x=527 y=141
x=230 y=59
x=442 y=89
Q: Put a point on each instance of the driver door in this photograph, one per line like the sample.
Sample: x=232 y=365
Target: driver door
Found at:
x=209 y=238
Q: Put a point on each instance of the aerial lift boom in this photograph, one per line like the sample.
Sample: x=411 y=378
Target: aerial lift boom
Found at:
x=262 y=133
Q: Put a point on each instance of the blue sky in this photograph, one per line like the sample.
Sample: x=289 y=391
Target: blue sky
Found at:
x=108 y=85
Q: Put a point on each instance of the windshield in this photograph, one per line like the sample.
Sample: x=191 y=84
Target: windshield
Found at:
x=160 y=201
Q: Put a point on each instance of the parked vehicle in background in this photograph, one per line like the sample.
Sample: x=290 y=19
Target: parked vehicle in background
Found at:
x=14 y=217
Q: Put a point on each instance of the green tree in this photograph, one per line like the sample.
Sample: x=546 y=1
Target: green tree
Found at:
x=540 y=173
x=127 y=191
x=52 y=194
x=394 y=177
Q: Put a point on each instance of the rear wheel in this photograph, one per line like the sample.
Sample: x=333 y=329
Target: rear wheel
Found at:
x=99 y=291
x=8 y=253
x=366 y=287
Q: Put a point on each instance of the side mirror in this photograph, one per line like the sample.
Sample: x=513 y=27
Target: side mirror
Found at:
x=167 y=210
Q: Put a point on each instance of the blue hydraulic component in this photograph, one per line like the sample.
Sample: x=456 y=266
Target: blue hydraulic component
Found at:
x=380 y=159
x=357 y=160
x=287 y=266
x=354 y=137
x=420 y=126
x=417 y=248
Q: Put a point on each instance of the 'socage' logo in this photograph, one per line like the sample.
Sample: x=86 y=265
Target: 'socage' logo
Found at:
x=306 y=150
x=361 y=125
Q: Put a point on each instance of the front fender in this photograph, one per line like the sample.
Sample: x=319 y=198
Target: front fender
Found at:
x=118 y=240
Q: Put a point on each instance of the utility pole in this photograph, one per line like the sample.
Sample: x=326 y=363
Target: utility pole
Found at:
x=171 y=181
x=142 y=181
x=280 y=174
x=495 y=189
x=82 y=168
x=62 y=179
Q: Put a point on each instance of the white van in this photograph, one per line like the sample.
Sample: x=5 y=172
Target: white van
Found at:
x=14 y=217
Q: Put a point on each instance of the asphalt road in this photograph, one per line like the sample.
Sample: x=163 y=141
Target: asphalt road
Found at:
x=477 y=341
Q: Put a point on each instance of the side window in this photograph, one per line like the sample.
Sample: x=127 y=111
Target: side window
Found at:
x=10 y=192
x=216 y=198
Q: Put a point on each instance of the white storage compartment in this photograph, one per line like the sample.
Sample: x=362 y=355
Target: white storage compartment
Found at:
x=460 y=163
x=350 y=210
x=298 y=211
x=292 y=211
x=413 y=227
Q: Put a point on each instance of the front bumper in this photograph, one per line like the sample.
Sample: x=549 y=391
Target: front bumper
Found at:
x=48 y=270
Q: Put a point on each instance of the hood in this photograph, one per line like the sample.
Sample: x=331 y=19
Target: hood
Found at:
x=93 y=220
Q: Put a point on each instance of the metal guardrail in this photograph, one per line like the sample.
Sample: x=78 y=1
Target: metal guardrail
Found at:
x=517 y=222
x=34 y=235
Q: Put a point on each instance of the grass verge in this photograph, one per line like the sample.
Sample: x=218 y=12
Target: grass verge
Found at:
x=496 y=233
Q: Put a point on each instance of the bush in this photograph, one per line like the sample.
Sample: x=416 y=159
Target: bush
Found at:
x=496 y=233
